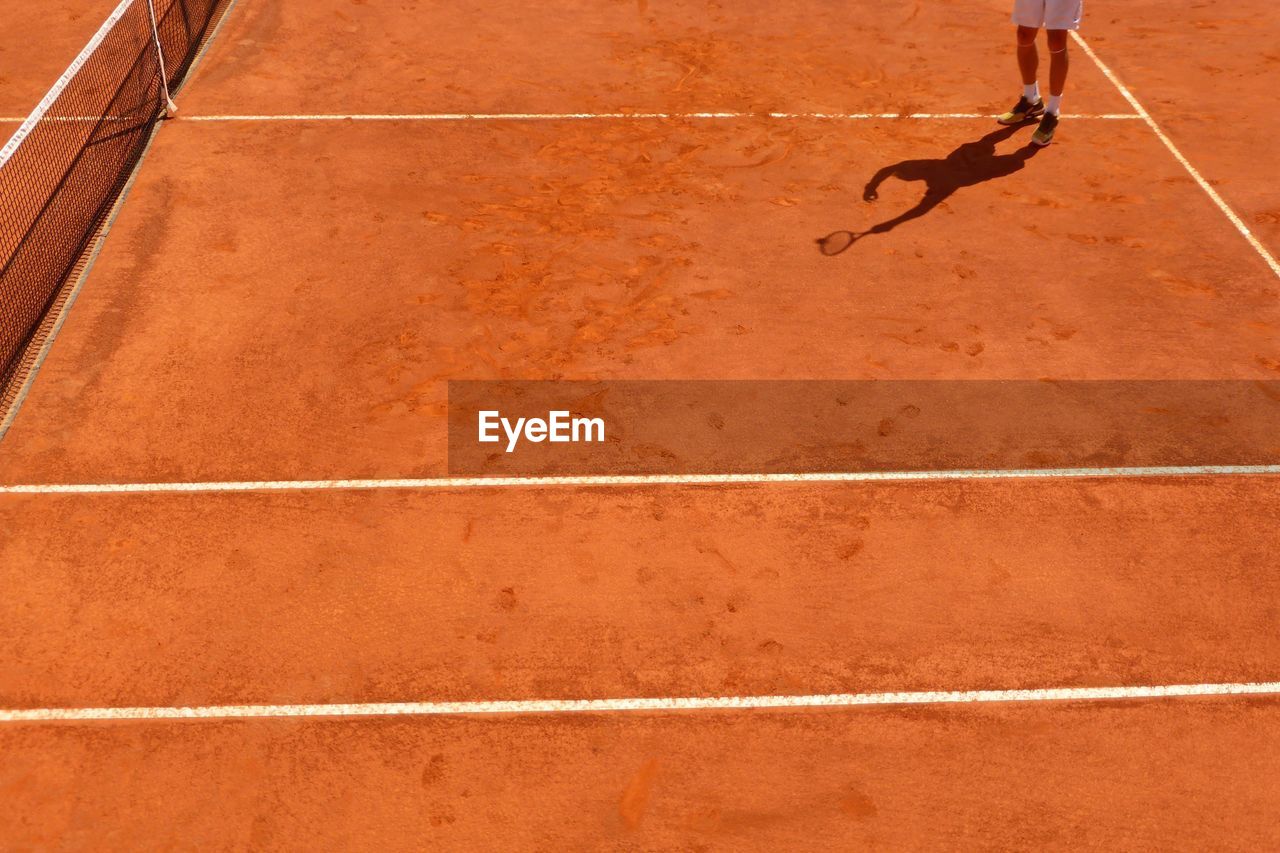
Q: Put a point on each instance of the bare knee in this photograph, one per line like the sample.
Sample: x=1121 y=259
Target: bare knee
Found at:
x=1057 y=41
x=1027 y=36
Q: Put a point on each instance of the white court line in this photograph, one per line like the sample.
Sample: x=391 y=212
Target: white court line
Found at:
x=607 y=706
x=639 y=480
x=447 y=117
x=1186 y=164
x=37 y=115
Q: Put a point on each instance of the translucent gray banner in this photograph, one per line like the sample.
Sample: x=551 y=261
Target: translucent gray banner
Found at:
x=547 y=428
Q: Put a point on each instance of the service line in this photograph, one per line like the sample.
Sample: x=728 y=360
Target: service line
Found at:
x=640 y=480
x=611 y=706
x=639 y=116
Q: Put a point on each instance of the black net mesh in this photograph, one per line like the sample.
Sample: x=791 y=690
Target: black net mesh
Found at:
x=62 y=171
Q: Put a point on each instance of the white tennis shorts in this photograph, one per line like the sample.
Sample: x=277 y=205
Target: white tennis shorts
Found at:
x=1049 y=14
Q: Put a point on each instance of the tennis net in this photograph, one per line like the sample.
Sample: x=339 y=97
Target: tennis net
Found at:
x=64 y=167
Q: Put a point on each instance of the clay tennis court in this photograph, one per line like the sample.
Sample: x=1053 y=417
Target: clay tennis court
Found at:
x=249 y=603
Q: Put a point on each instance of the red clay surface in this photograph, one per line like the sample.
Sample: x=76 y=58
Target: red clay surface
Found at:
x=1193 y=775
x=637 y=55
x=523 y=594
x=1202 y=69
x=286 y=300
x=259 y=286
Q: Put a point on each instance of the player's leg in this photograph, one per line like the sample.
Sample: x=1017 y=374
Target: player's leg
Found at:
x=1059 y=63
x=1062 y=16
x=1029 y=61
x=1030 y=104
x=1028 y=16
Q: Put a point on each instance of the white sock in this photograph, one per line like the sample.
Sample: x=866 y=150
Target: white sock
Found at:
x=1054 y=105
x=1032 y=92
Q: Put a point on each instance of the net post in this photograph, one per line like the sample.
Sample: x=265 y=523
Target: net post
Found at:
x=170 y=108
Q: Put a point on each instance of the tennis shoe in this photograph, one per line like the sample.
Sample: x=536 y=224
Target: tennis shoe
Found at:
x=1044 y=133
x=1024 y=110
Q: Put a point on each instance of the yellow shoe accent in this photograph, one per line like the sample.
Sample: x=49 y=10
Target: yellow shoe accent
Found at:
x=1022 y=111
x=1044 y=133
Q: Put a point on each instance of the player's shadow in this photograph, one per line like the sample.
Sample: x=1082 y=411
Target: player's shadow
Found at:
x=972 y=163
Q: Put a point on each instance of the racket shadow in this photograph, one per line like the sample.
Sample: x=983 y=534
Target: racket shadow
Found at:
x=970 y=164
